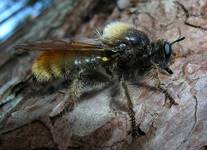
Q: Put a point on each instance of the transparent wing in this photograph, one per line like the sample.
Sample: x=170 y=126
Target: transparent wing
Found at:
x=63 y=44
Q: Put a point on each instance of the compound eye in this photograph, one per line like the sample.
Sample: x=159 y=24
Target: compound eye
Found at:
x=167 y=50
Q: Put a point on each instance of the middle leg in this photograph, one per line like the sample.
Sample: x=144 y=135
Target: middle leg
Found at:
x=135 y=131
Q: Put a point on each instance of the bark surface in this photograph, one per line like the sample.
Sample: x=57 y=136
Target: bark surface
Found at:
x=93 y=124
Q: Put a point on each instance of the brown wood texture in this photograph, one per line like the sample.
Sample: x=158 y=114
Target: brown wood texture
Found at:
x=93 y=124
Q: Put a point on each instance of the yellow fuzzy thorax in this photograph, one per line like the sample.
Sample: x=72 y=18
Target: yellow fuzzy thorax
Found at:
x=114 y=31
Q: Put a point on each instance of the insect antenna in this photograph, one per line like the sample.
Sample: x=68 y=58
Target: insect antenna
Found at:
x=178 y=40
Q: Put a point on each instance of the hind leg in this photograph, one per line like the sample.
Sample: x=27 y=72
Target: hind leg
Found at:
x=84 y=83
x=68 y=102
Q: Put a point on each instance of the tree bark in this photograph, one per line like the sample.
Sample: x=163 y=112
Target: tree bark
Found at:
x=93 y=124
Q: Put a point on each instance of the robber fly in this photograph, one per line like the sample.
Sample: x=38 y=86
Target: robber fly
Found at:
x=119 y=54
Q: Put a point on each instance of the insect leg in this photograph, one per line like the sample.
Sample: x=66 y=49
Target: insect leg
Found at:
x=83 y=83
x=69 y=100
x=168 y=95
x=117 y=95
x=158 y=85
x=135 y=128
x=156 y=76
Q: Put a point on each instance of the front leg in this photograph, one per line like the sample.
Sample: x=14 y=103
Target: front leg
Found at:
x=158 y=85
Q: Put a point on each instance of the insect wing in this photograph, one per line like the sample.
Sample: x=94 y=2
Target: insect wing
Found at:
x=64 y=44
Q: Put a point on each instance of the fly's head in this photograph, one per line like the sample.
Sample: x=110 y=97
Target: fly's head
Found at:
x=161 y=54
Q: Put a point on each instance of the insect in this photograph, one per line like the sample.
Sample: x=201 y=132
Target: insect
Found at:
x=119 y=55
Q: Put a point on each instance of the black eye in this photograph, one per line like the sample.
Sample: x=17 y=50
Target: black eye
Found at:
x=167 y=50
